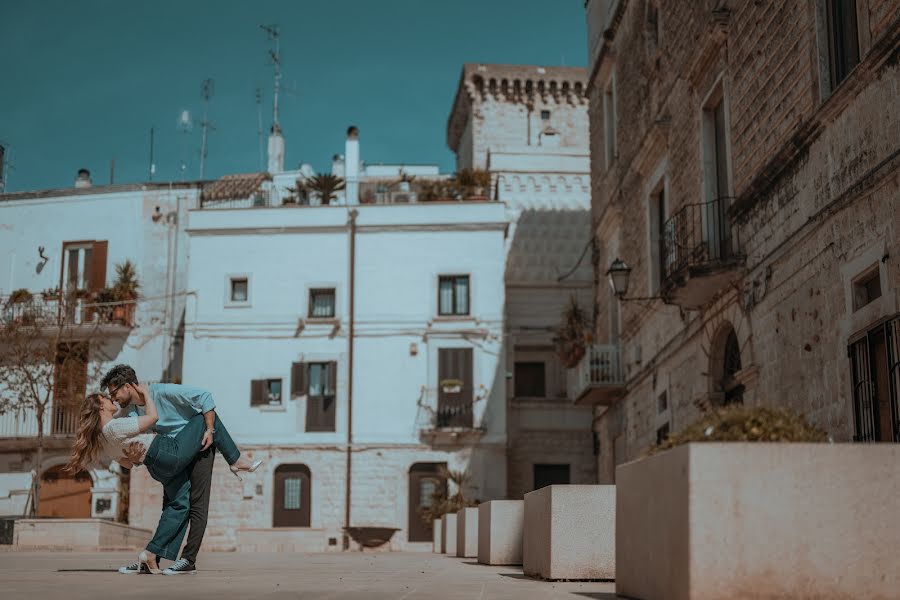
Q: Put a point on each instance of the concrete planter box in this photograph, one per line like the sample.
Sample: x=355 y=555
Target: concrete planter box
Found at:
x=740 y=520
x=500 y=525
x=570 y=532
x=436 y=532
x=78 y=533
x=467 y=532
x=448 y=534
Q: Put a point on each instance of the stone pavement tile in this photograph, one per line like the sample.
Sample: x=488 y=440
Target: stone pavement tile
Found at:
x=350 y=576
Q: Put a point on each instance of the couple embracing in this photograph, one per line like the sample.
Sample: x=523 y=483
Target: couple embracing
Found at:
x=173 y=431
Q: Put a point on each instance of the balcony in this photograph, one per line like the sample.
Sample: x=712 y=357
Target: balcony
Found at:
x=18 y=429
x=450 y=420
x=700 y=254
x=598 y=379
x=78 y=315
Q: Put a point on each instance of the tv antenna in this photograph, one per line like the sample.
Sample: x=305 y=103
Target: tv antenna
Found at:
x=185 y=125
x=259 y=127
x=206 y=92
x=274 y=35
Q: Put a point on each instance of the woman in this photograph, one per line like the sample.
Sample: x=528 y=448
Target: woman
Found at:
x=166 y=458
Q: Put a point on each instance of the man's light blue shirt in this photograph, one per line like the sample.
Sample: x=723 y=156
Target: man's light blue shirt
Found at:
x=175 y=404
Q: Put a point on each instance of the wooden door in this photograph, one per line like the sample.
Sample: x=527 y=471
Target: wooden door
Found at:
x=64 y=495
x=424 y=480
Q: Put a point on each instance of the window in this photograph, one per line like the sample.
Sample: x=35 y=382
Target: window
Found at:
x=662 y=402
x=453 y=295
x=875 y=372
x=545 y=475
x=318 y=382
x=292 y=496
x=866 y=288
x=609 y=121
x=455 y=388
x=529 y=380
x=265 y=392
x=84 y=268
x=239 y=290
x=321 y=303
x=69 y=385
x=545 y=115
x=843 y=40
x=659 y=255
x=714 y=131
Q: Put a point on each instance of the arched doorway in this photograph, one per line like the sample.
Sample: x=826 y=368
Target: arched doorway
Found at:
x=425 y=479
x=726 y=363
x=293 y=495
x=64 y=495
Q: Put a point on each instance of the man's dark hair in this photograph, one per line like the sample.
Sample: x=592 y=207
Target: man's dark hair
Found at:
x=117 y=376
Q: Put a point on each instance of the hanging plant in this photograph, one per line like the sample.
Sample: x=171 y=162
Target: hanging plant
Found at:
x=574 y=335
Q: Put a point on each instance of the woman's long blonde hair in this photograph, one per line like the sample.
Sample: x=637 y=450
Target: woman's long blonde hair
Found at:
x=88 y=440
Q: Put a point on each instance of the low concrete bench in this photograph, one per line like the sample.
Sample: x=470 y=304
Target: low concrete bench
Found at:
x=448 y=534
x=436 y=532
x=570 y=532
x=500 y=524
x=467 y=532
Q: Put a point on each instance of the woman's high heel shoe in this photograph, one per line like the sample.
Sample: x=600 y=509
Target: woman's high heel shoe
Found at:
x=143 y=563
x=249 y=469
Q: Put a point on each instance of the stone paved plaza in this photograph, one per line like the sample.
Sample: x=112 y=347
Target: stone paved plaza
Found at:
x=363 y=576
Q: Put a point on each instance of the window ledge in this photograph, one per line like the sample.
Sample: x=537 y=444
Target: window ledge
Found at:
x=322 y=321
x=237 y=305
x=452 y=318
x=271 y=407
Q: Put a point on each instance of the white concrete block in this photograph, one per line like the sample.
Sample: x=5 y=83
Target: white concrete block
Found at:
x=436 y=532
x=448 y=534
x=570 y=532
x=500 y=526
x=467 y=532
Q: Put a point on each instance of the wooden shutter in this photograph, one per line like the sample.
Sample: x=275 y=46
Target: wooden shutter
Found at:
x=97 y=273
x=258 y=392
x=332 y=379
x=299 y=382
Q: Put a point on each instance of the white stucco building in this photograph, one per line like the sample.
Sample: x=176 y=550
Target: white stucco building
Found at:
x=72 y=239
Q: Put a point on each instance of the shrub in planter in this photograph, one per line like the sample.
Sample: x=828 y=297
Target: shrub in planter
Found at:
x=574 y=335
x=20 y=296
x=441 y=503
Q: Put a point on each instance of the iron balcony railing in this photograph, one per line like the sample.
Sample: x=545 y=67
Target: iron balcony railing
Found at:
x=697 y=235
x=58 y=421
x=875 y=373
x=601 y=365
x=51 y=311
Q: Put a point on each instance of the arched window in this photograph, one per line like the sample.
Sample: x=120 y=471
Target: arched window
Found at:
x=292 y=496
x=726 y=363
x=425 y=480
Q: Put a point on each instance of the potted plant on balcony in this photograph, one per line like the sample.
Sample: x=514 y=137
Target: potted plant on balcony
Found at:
x=125 y=291
x=50 y=294
x=574 y=335
x=324 y=185
x=473 y=183
x=105 y=298
x=20 y=296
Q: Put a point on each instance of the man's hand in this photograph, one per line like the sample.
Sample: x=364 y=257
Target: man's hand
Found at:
x=207 y=440
x=134 y=452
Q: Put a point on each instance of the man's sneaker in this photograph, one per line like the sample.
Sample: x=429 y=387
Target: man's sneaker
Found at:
x=133 y=569
x=182 y=566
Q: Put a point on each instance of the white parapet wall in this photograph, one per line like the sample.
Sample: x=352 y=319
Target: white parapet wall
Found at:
x=741 y=520
x=436 y=532
x=467 y=532
x=500 y=526
x=570 y=532
x=283 y=539
x=78 y=533
x=448 y=534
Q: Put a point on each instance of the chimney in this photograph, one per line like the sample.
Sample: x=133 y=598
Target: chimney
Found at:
x=276 y=150
x=83 y=179
x=351 y=165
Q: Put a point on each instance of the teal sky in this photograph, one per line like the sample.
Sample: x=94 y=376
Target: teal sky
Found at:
x=83 y=82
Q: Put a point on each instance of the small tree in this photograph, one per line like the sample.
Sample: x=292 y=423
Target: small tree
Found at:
x=44 y=358
x=443 y=503
x=323 y=185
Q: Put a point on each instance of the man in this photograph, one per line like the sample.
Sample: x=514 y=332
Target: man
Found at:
x=176 y=404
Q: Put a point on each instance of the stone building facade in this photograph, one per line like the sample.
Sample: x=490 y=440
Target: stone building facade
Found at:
x=744 y=165
x=527 y=125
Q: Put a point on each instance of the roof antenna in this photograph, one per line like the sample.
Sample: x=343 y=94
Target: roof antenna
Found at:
x=259 y=127
x=273 y=34
x=206 y=92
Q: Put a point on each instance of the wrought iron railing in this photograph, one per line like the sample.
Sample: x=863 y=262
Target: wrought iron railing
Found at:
x=51 y=311
x=697 y=234
x=601 y=365
x=58 y=420
x=875 y=373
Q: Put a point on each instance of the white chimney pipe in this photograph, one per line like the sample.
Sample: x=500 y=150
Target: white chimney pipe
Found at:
x=83 y=179
x=276 y=150
x=351 y=165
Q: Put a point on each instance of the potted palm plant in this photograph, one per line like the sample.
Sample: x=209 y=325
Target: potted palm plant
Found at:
x=125 y=291
x=324 y=185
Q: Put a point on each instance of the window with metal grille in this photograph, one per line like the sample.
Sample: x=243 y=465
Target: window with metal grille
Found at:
x=321 y=303
x=875 y=372
x=453 y=295
x=843 y=39
x=321 y=381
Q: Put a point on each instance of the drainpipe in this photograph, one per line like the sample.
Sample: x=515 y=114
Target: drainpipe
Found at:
x=351 y=222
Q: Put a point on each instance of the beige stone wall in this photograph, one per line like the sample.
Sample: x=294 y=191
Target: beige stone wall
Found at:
x=818 y=198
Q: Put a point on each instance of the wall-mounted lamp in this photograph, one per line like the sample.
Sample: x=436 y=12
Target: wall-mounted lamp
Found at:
x=619 y=274
x=44 y=259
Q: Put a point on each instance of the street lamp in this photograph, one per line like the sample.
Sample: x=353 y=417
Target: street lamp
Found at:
x=619 y=273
